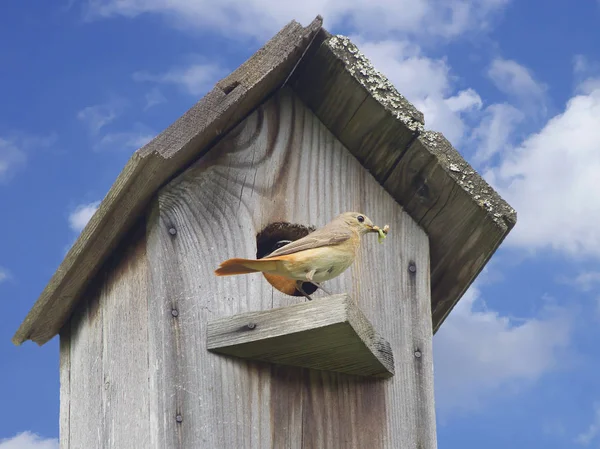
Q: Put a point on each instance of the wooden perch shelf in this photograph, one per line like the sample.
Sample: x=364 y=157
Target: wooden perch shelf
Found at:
x=329 y=334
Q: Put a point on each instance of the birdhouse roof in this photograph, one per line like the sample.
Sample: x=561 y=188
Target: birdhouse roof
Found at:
x=465 y=219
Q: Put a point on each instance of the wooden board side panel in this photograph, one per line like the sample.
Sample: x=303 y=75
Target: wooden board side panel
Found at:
x=281 y=164
x=463 y=220
x=86 y=407
x=104 y=357
x=65 y=388
x=331 y=335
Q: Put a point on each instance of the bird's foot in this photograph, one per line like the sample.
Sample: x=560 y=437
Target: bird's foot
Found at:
x=321 y=287
x=301 y=290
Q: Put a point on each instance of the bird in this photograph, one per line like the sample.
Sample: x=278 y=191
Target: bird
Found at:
x=317 y=257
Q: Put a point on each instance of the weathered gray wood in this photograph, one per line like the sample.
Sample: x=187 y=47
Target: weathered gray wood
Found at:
x=463 y=216
x=86 y=414
x=330 y=334
x=65 y=388
x=358 y=104
x=282 y=164
x=104 y=358
x=362 y=109
x=154 y=164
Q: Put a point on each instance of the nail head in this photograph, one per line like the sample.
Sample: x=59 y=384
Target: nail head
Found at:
x=179 y=418
x=175 y=312
x=418 y=354
x=172 y=231
x=412 y=268
x=251 y=325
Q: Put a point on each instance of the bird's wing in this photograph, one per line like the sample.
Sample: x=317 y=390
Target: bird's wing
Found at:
x=316 y=239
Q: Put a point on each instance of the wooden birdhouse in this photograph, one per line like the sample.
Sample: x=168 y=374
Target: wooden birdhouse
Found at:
x=156 y=351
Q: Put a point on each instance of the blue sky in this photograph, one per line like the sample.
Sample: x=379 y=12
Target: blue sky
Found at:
x=515 y=86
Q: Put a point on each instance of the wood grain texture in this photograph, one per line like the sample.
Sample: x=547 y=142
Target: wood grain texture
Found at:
x=154 y=164
x=104 y=358
x=465 y=219
x=330 y=335
x=282 y=164
x=86 y=414
x=64 y=431
x=358 y=105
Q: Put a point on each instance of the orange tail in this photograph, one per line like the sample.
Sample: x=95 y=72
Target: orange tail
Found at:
x=244 y=266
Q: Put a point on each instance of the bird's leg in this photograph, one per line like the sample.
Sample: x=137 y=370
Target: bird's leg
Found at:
x=321 y=287
x=299 y=288
x=309 y=276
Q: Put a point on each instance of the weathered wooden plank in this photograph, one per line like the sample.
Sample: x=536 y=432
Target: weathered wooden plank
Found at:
x=125 y=353
x=199 y=401
x=286 y=396
x=430 y=179
x=106 y=401
x=86 y=411
x=358 y=104
x=65 y=388
x=331 y=334
x=465 y=218
x=282 y=164
x=154 y=164
x=164 y=341
x=402 y=310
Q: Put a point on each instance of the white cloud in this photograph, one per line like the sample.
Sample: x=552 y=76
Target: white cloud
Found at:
x=98 y=116
x=551 y=179
x=581 y=64
x=196 y=79
x=585 y=438
x=131 y=140
x=586 y=74
x=588 y=85
x=479 y=353
x=12 y=158
x=583 y=281
x=423 y=80
x=584 y=67
x=514 y=79
x=14 y=149
x=495 y=130
x=465 y=100
x=81 y=215
x=28 y=440
x=261 y=18
x=153 y=98
x=426 y=83
x=4 y=275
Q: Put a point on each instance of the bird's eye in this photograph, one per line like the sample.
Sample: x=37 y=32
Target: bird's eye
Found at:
x=360 y=218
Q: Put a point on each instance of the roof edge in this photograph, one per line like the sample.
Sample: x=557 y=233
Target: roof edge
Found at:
x=156 y=163
x=465 y=219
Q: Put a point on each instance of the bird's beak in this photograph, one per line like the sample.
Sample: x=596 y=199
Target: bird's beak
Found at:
x=373 y=228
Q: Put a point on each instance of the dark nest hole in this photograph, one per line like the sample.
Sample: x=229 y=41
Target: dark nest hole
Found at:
x=273 y=237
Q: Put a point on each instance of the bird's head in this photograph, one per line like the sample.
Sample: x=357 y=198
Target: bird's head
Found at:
x=359 y=222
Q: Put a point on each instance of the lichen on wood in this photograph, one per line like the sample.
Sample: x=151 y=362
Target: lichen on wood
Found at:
x=378 y=85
